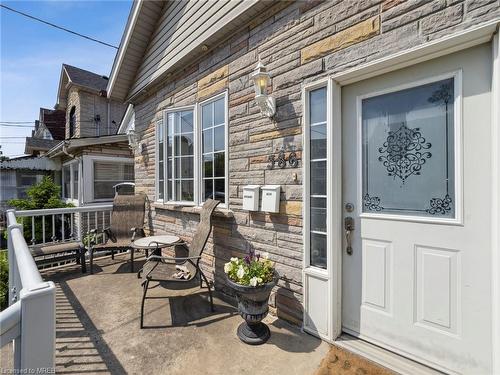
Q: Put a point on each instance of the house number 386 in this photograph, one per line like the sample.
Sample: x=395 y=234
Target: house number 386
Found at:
x=293 y=161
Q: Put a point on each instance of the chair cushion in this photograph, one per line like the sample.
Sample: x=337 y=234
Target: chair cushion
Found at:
x=54 y=248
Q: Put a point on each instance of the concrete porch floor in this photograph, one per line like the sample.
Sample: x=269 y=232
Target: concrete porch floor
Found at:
x=98 y=330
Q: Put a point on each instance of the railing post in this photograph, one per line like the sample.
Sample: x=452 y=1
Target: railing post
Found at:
x=14 y=277
x=38 y=328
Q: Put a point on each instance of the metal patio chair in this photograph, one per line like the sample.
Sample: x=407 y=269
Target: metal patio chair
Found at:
x=127 y=222
x=162 y=268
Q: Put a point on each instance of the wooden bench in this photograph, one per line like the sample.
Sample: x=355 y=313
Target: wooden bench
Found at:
x=58 y=251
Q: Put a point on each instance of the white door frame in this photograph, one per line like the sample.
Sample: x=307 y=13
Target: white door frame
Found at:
x=333 y=276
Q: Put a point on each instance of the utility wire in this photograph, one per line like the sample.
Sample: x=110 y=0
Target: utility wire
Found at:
x=16 y=122
x=17 y=126
x=57 y=27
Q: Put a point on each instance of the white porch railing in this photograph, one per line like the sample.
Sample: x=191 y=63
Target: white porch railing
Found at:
x=30 y=319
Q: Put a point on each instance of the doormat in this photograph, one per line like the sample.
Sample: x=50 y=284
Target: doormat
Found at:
x=341 y=361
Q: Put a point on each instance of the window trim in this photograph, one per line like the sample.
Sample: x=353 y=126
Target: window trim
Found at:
x=198 y=144
x=72 y=165
x=88 y=164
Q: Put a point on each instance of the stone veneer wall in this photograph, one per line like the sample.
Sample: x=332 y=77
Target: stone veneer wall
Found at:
x=299 y=42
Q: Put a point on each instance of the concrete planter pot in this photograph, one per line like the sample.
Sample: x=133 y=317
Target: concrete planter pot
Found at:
x=253 y=307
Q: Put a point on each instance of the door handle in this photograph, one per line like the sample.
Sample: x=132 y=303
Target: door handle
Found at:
x=348 y=227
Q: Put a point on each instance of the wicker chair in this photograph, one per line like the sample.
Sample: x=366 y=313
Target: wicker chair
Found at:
x=162 y=269
x=127 y=222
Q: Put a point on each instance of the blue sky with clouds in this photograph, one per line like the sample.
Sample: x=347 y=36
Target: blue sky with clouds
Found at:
x=31 y=55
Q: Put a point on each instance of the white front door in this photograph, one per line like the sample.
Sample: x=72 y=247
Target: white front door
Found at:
x=416 y=184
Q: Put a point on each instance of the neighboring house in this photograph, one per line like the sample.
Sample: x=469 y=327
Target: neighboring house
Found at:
x=388 y=228
x=49 y=131
x=18 y=174
x=93 y=157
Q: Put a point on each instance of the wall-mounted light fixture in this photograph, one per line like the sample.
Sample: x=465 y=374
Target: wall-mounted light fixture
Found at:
x=261 y=80
x=133 y=139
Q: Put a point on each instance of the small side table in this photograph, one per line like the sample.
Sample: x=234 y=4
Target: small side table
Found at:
x=152 y=243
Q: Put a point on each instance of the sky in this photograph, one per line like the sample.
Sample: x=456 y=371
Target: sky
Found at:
x=31 y=55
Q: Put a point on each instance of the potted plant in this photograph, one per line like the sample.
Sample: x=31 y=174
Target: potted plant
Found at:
x=252 y=278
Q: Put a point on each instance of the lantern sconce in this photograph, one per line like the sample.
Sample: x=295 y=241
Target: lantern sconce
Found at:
x=261 y=80
x=133 y=142
x=132 y=139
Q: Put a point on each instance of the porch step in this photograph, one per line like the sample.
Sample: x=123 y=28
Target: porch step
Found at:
x=383 y=357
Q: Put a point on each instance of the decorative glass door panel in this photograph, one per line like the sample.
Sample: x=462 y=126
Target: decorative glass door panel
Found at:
x=408 y=153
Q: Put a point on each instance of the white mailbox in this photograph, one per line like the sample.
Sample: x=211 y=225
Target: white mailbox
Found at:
x=251 y=196
x=271 y=198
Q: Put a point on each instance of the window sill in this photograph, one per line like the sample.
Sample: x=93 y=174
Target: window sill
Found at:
x=219 y=212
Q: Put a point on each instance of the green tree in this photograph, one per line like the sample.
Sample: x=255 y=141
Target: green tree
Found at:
x=45 y=194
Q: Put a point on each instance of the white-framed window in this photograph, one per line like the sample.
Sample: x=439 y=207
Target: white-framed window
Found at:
x=102 y=173
x=191 y=146
x=213 y=129
x=70 y=179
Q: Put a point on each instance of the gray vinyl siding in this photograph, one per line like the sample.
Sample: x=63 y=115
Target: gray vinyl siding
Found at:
x=183 y=26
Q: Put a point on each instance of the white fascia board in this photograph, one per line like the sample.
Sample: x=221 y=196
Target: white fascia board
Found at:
x=120 y=55
x=128 y=121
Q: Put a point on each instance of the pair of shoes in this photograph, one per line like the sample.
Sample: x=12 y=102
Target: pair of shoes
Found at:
x=183 y=273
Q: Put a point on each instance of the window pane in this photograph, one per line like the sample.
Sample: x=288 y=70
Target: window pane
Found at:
x=187 y=190
x=178 y=191
x=75 y=181
x=104 y=189
x=318 y=177
x=186 y=144
x=220 y=188
x=170 y=191
x=206 y=116
x=128 y=171
x=177 y=147
x=318 y=142
x=207 y=141
x=318 y=214
x=108 y=174
x=219 y=166
x=161 y=185
x=219 y=112
x=408 y=151
x=187 y=122
x=317 y=104
x=170 y=145
x=160 y=151
x=318 y=250
x=66 y=181
x=208 y=165
x=219 y=140
x=161 y=171
x=208 y=189
x=177 y=168
x=187 y=167
x=177 y=123
x=169 y=168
